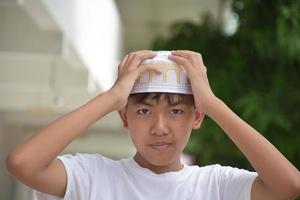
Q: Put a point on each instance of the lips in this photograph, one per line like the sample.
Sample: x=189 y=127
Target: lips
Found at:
x=160 y=145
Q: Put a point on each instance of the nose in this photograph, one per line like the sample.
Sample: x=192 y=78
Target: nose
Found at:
x=160 y=126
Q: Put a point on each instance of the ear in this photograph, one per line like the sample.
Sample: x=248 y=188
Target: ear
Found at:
x=122 y=114
x=198 y=119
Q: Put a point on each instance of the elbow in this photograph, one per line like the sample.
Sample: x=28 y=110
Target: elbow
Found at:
x=289 y=188
x=12 y=163
x=16 y=166
x=294 y=187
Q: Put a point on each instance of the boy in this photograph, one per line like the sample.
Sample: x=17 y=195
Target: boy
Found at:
x=160 y=125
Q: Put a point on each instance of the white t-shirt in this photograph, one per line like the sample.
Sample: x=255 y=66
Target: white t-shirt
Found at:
x=94 y=177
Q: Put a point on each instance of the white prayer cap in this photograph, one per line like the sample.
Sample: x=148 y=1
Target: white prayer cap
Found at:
x=172 y=79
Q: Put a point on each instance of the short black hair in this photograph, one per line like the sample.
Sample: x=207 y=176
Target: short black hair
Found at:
x=172 y=98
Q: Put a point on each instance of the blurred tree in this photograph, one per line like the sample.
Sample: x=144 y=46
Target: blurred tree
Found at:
x=255 y=71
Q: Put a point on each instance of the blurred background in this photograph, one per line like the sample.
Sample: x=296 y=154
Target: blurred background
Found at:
x=56 y=55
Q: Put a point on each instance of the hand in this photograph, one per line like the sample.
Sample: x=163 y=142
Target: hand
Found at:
x=128 y=71
x=196 y=71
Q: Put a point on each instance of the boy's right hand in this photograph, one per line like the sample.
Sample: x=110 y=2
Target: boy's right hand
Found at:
x=128 y=72
x=34 y=161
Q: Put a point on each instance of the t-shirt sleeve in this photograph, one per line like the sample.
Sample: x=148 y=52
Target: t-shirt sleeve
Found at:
x=235 y=184
x=79 y=170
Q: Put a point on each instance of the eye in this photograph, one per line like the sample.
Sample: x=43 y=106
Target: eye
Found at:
x=143 y=111
x=176 y=111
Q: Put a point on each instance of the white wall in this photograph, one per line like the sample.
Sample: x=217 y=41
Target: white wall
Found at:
x=9 y=136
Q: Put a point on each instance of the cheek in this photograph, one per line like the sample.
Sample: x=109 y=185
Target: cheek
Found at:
x=184 y=127
x=135 y=123
x=137 y=129
x=185 y=122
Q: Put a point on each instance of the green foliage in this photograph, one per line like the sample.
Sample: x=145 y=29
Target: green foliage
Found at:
x=256 y=72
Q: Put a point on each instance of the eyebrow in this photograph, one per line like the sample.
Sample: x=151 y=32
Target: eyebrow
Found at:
x=151 y=104
x=178 y=103
x=143 y=103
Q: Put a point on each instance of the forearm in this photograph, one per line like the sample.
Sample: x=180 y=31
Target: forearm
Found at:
x=37 y=152
x=276 y=172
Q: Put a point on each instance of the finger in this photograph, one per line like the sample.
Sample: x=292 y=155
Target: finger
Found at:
x=183 y=53
x=190 y=69
x=133 y=54
x=141 y=51
x=151 y=68
x=135 y=58
x=130 y=56
x=122 y=63
x=181 y=61
x=138 y=56
x=194 y=57
x=142 y=68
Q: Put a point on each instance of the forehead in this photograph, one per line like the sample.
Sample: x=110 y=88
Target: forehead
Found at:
x=158 y=98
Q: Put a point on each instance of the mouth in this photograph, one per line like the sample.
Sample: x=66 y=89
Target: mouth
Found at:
x=160 y=145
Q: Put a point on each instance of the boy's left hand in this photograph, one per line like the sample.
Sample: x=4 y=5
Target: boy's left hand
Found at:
x=196 y=71
x=277 y=177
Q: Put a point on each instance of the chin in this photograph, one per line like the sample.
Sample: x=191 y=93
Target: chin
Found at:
x=158 y=157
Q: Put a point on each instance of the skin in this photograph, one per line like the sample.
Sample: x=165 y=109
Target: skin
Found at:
x=36 y=165
x=160 y=131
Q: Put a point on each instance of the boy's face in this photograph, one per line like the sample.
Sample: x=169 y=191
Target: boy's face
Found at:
x=160 y=129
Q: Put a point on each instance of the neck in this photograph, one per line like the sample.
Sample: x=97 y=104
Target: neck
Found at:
x=159 y=169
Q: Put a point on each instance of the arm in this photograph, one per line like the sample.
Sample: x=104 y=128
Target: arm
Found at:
x=34 y=161
x=278 y=178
